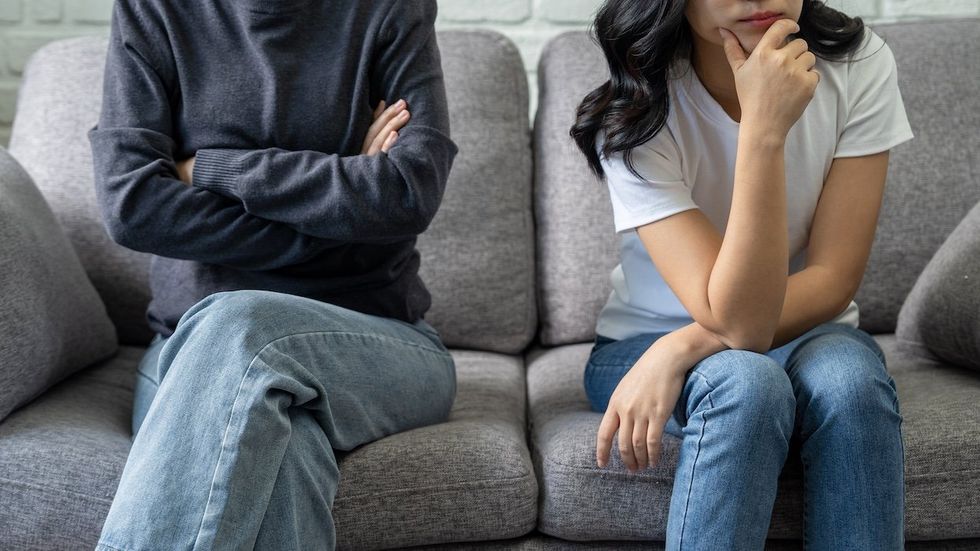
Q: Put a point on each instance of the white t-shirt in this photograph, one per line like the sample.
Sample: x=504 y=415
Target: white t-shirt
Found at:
x=856 y=110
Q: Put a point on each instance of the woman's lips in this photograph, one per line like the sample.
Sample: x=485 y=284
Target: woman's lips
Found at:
x=762 y=20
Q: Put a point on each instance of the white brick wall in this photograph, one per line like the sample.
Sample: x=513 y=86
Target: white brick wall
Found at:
x=25 y=25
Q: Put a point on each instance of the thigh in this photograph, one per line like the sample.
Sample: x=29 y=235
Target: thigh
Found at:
x=362 y=376
x=787 y=353
x=836 y=370
x=147 y=382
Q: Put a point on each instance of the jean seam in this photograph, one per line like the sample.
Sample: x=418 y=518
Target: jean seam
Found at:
x=224 y=440
x=803 y=483
x=901 y=443
x=110 y=546
x=147 y=377
x=690 y=488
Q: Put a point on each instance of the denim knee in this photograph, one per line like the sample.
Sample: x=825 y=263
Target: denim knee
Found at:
x=236 y=312
x=840 y=375
x=753 y=385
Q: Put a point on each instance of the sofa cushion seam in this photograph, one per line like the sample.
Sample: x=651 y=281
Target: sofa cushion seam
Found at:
x=493 y=483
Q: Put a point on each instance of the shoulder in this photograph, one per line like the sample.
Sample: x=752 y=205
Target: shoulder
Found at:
x=658 y=158
x=142 y=25
x=873 y=56
x=402 y=14
x=870 y=61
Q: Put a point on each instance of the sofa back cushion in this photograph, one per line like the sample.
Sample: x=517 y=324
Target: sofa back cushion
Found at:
x=932 y=179
x=51 y=319
x=477 y=255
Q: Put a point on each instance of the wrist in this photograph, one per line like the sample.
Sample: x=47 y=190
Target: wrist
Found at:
x=761 y=134
x=694 y=342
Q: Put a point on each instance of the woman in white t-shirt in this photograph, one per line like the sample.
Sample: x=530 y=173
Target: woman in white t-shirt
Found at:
x=745 y=146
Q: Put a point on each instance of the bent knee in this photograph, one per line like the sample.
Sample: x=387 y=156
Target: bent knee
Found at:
x=840 y=372
x=750 y=379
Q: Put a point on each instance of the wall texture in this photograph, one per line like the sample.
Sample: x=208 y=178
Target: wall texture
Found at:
x=25 y=25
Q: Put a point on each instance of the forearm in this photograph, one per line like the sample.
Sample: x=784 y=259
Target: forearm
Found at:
x=750 y=273
x=812 y=297
x=145 y=209
x=358 y=198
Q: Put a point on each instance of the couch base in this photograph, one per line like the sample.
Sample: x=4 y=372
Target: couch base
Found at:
x=536 y=541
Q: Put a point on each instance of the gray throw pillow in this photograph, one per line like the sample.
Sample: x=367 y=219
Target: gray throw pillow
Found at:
x=52 y=321
x=940 y=318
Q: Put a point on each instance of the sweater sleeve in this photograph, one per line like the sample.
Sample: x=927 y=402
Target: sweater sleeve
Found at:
x=143 y=203
x=360 y=198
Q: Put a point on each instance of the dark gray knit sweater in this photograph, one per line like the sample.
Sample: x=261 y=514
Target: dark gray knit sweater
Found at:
x=274 y=97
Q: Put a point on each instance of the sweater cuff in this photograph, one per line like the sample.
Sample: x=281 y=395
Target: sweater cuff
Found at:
x=218 y=170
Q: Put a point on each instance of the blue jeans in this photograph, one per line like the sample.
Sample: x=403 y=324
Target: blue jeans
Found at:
x=240 y=415
x=827 y=393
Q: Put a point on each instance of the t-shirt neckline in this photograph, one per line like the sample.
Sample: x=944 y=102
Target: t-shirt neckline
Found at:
x=701 y=98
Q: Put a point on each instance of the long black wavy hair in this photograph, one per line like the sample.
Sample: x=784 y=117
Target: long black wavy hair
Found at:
x=641 y=39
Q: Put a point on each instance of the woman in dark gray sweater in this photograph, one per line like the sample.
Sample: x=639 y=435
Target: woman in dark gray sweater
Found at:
x=278 y=159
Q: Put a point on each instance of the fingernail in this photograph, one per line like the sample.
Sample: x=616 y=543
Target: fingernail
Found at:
x=401 y=103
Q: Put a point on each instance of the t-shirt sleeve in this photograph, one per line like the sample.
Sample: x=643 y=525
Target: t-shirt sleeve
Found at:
x=876 y=119
x=657 y=192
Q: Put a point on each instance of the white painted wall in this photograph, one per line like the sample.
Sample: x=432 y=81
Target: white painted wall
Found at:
x=25 y=25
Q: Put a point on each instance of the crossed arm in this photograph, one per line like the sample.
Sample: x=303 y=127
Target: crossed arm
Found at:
x=267 y=208
x=840 y=244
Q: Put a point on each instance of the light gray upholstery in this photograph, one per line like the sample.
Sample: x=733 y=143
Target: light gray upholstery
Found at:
x=577 y=247
x=940 y=318
x=469 y=478
x=477 y=255
x=52 y=322
x=59 y=100
x=580 y=501
x=932 y=179
x=540 y=542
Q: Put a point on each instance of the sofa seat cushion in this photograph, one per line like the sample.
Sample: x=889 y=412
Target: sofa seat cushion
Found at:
x=580 y=501
x=468 y=479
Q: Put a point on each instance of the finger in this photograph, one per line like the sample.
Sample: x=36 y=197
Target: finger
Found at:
x=640 y=443
x=654 y=445
x=808 y=60
x=795 y=48
x=607 y=427
x=381 y=120
x=378 y=110
x=390 y=141
x=734 y=52
x=394 y=124
x=777 y=33
x=626 y=443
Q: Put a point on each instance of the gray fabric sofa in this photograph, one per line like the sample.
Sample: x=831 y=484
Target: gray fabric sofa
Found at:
x=518 y=260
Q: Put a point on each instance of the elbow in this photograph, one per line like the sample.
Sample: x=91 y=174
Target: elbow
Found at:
x=124 y=232
x=757 y=341
x=744 y=336
x=119 y=232
x=419 y=214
